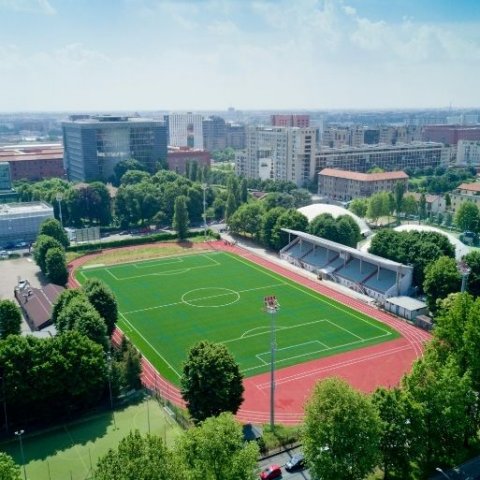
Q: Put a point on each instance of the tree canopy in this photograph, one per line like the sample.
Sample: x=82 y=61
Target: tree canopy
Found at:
x=42 y=245
x=54 y=229
x=9 y=470
x=10 y=318
x=56 y=266
x=211 y=381
x=291 y=219
x=180 y=217
x=341 y=432
x=103 y=300
x=468 y=217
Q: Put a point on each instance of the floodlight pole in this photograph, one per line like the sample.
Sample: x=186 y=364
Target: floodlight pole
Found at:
x=19 y=434
x=272 y=308
x=464 y=270
x=438 y=469
x=204 y=188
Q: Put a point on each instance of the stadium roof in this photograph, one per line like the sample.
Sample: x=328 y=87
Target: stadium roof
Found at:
x=312 y=211
x=338 y=247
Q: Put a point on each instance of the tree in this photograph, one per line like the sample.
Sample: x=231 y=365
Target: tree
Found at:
x=422 y=206
x=243 y=190
x=399 y=417
x=211 y=381
x=81 y=316
x=215 y=450
x=10 y=319
x=447 y=407
x=133 y=177
x=399 y=192
x=341 y=432
x=231 y=206
x=278 y=199
x=301 y=197
x=139 y=457
x=42 y=245
x=56 y=266
x=122 y=167
x=9 y=470
x=378 y=206
x=410 y=205
x=468 y=217
x=180 y=217
x=269 y=219
x=246 y=219
x=441 y=278
x=62 y=301
x=359 y=207
x=54 y=229
x=291 y=219
x=448 y=201
x=103 y=300
x=472 y=259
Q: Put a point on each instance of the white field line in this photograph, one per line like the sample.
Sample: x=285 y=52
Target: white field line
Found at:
x=345 y=330
x=152 y=347
x=201 y=298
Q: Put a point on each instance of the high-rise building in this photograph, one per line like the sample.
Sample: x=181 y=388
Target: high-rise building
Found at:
x=94 y=145
x=214 y=133
x=235 y=136
x=185 y=130
x=290 y=120
x=468 y=153
x=5 y=176
x=278 y=153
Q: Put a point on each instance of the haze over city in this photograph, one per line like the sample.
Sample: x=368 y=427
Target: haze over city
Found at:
x=63 y=55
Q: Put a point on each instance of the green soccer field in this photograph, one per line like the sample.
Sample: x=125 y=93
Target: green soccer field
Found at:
x=168 y=304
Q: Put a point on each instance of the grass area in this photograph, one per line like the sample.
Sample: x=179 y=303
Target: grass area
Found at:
x=168 y=304
x=71 y=451
x=124 y=255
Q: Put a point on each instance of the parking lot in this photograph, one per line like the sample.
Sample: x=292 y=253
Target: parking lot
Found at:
x=281 y=459
x=14 y=270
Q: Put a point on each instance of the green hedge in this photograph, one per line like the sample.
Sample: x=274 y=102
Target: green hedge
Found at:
x=158 y=237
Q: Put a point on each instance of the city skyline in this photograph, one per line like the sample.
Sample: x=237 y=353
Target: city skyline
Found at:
x=59 y=55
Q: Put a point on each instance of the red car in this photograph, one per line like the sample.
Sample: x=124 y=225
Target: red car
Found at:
x=272 y=471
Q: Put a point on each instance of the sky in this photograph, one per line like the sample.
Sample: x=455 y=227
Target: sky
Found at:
x=136 y=55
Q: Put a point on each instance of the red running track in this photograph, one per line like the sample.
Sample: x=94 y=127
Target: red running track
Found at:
x=366 y=368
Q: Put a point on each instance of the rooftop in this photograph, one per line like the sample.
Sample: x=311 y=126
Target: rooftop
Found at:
x=25 y=208
x=363 y=177
x=407 y=302
x=470 y=187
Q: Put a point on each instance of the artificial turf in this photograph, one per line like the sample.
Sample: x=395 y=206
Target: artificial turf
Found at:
x=168 y=304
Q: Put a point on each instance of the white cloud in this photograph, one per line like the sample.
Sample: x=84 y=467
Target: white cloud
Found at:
x=349 y=10
x=29 y=6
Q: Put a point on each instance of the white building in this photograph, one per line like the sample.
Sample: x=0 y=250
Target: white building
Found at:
x=185 y=130
x=278 y=153
x=20 y=222
x=468 y=152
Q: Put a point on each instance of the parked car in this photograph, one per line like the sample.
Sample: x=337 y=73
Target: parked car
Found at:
x=271 y=472
x=297 y=462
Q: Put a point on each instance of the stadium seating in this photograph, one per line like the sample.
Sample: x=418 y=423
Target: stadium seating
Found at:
x=352 y=271
x=381 y=282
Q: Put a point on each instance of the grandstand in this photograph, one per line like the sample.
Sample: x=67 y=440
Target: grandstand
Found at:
x=372 y=275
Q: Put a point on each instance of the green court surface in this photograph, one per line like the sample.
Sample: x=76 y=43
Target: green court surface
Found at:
x=168 y=304
x=71 y=452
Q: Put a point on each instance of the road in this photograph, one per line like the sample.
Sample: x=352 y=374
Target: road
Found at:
x=281 y=459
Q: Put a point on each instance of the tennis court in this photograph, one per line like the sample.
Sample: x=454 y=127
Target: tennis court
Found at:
x=168 y=304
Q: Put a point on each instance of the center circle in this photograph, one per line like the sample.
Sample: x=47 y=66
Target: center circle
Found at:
x=210 y=297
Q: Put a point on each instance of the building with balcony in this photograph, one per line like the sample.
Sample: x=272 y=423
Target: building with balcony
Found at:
x=278 y=153
x=185 y=130
x=387 y=157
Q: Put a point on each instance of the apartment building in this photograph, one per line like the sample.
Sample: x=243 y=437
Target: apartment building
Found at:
x=387 y=157
x=344 y=185
x=290 y=120
x=468 y=153
x=278 y=153
x=466 y=192
x=185 y=130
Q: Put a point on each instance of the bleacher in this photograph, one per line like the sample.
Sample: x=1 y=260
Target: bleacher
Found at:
x=299 y=249
x=352 y=271
x=319 y=257
x=382 y=281
x=370 y=274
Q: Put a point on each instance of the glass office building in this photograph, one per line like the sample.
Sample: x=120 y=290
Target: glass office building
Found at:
x=95 y=144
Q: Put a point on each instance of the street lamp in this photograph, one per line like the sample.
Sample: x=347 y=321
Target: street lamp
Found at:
x=272 y=306
x=19 y=434
x=438 y=469
x=204 y=188
x=59 y=198
x=464 y=271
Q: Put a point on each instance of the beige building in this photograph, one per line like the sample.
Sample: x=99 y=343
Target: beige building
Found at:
x=278 y=153
x=346 y=185
x=466 y=192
